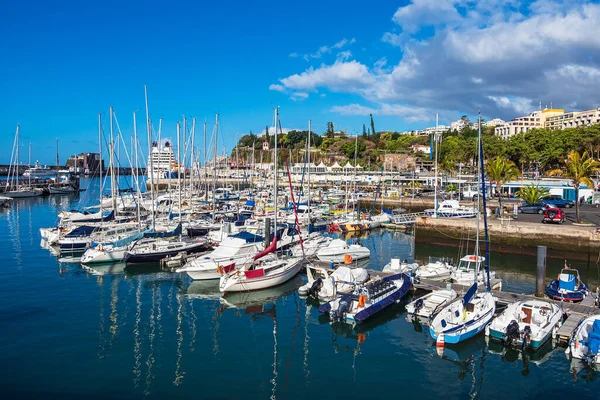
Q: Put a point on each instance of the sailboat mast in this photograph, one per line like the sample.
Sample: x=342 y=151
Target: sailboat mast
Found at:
x=179 y=168
x=193 y=157
x=480 y=186
x=308 y=175
x=356 y=205
x=112 y=164
x=137 y=166
x=57 y=161
x=215 y=166
x=17 y=173
x=100 y=160
x=485 y=227
x=275 y=179
x=150 y=155
x=435 y=184
x=205 y=165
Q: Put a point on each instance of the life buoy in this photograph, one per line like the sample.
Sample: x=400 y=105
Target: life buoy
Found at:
x=361 y=301
x=473 y=258
x=347 y=259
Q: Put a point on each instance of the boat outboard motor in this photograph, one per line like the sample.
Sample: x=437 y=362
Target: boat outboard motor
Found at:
x=315 y=287
x=526 y=336
x=512 y=333
x=418 y=306
x=343 y=307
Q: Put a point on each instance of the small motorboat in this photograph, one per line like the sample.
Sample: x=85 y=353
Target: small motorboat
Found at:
x=527 y=323
x=452 y=209
x=464 y=317
x=429 y=304
x=266 y=273
x=326 y=285
x=464 y=273
x=585 y=342
x=367 y=299
x=338 y=251
x=568 y=287
x=5 y=201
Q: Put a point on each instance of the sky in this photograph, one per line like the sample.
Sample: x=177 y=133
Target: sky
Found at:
x=403 y=61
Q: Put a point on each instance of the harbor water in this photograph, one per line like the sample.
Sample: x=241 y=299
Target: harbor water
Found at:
x=139 y=332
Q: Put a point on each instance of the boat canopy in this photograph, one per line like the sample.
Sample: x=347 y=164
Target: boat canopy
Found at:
x=83 y=230
x=248 y=237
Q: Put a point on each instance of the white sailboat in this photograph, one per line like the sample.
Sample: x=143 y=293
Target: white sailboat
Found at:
x=16 y=190
x=469 y=315
x=338 y=251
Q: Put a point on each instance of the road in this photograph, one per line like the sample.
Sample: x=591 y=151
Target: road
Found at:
x=589 y=214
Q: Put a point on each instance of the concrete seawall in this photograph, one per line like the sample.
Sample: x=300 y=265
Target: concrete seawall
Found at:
x=514 y=236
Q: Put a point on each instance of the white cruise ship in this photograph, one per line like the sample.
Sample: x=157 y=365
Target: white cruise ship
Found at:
x=163 y=162
x=37 y=171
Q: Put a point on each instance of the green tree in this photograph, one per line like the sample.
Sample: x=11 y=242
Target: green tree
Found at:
x=578 y=168
x=364 y=133
x=501 y=170
x=532 y=193
x=330 y=132
x=374 y=139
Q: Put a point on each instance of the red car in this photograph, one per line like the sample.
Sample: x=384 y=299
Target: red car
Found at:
x=553 y=215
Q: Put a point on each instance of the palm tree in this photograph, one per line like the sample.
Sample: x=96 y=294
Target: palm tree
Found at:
x=502 y=171
x=578 y=168
x=532 y=193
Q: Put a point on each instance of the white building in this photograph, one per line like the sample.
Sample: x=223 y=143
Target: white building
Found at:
x=458 y=125
x=431 y=130
x=535 y=120
x=419 y=148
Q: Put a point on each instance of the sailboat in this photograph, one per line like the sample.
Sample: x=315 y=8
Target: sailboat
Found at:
x=469 y=315
x=18 y=191
x=268 y=269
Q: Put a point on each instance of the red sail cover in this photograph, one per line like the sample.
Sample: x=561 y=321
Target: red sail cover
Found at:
x=228 y=268
x=272 y=247
x=255 y=273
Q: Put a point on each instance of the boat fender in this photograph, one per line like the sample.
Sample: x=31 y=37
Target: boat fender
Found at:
x=361 y=301
x=100 y=248
x=487 y=331
x=347 y=259
x=220 y=270
x=440 y=341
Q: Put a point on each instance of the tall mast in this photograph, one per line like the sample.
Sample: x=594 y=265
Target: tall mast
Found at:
x=29 y=162
x=100 y=160
x=193 y=157
x=137 y=166
x=485 y=227
x=112 y=164
x=308 y=175
x=17 y=173
x=215 y=166
x=435 y=136
x=355 y=157
x=179 y=167
x=205 y=166
x=57 y=160
x=150 y=155
x=275 y=182
x=480 y=186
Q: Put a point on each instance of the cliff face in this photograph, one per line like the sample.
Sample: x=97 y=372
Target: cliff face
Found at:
x=402 y=162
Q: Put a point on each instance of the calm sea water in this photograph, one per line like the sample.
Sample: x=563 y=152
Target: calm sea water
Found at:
x=121 y=333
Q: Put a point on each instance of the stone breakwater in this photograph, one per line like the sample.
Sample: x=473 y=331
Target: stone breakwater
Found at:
x=513 y=236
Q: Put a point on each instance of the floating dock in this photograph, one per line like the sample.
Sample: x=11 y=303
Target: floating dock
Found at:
x=574 y=311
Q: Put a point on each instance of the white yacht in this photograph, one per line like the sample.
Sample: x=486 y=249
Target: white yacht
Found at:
x=233 y=252
x=469 y=267
x=338 y=251
x=39 y=171
x=452 y=208
x=161 y=162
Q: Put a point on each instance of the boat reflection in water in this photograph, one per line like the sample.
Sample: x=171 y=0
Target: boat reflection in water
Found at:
x=106 y=269
x=512 y=354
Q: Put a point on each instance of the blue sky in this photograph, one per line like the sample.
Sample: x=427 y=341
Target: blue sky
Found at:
x=327 y=61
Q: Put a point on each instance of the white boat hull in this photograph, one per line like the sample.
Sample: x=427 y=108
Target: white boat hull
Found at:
x=95 y=256
x=238 y=283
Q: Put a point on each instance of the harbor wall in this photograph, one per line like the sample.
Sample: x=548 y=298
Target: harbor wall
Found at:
x=511 y=236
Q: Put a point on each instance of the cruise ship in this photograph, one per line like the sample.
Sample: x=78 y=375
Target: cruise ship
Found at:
x=163 y=162
x=37 y=171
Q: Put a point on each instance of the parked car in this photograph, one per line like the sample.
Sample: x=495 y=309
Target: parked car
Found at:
x=557 y=201
x=553 y=215
x=533 y=208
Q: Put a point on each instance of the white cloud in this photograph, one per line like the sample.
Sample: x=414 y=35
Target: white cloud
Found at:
x=272 y=130
x=277 y=87
x=293 y=55
x=344 y=55
x=341 y=76
x=299 y=96
x=502 y=56
x=323 y=50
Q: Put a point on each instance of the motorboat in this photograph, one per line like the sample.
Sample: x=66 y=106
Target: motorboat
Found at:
x=585 y=342
x=437 y=269
x=469 y=271
x=338 y=251
x=326 y=285
x=464 y=317
x=23 y=192
x=452 y=208
x=527 y=323
x=429 y=304
x=156 y=250
x=367 y=299
x=262 y=274
x=567 y=287
x=311 y=245
x=233 y=252
x=39 y=172
x=61 y=188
